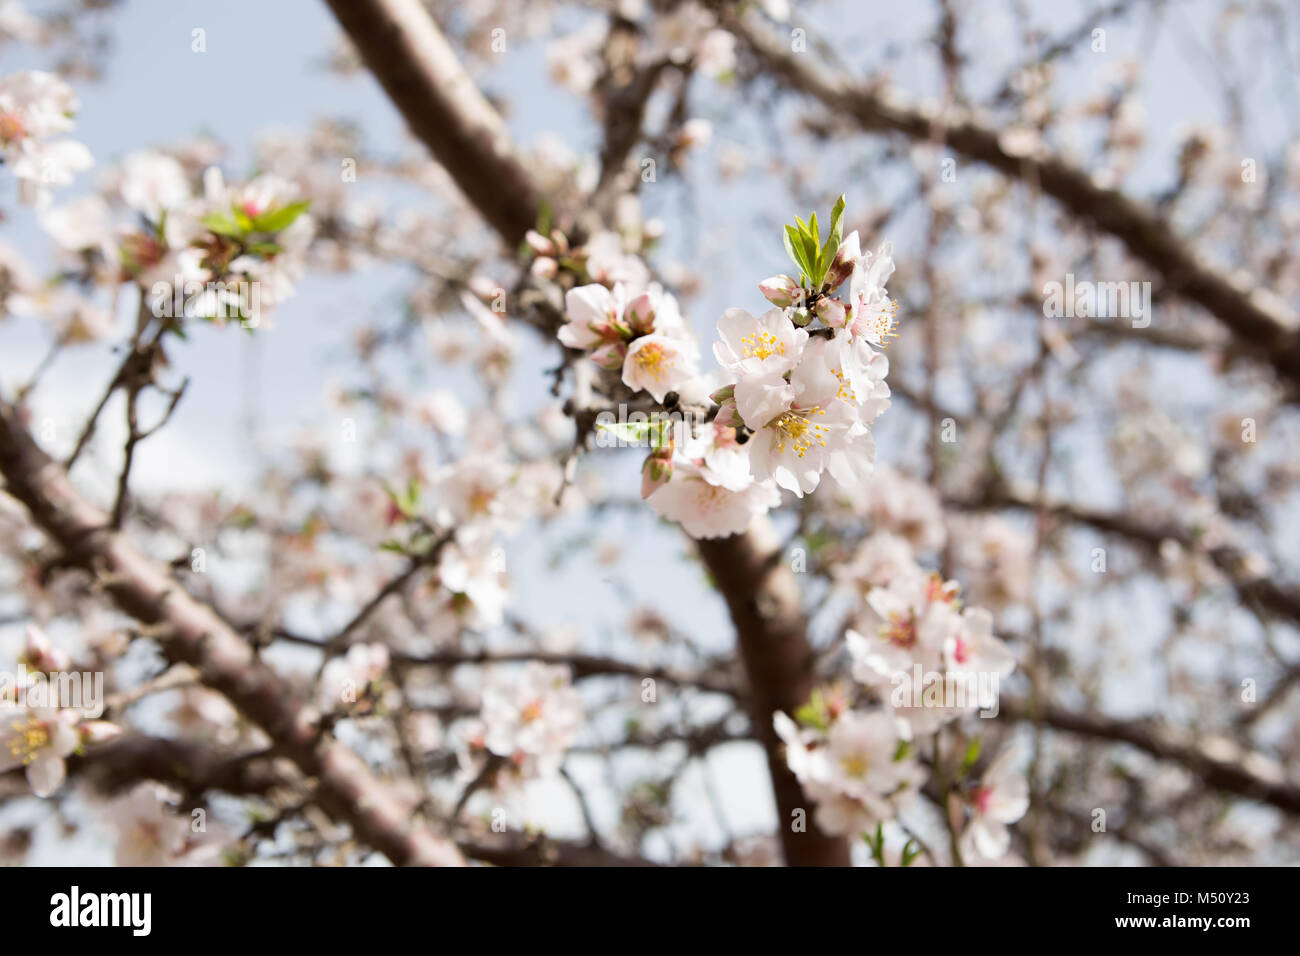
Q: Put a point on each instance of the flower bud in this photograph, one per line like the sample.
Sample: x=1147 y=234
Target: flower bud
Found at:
x=40 y=655
x=539 y=243
x=725 y=394
x=610 y=356
x=544 y=267
x=728 y=415
x=98 y=731
x=657 y=470
x=830 y=311
x=781 y=291
x=846 y=257
x=640 y=313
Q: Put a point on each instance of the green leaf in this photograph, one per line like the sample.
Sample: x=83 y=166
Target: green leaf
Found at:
x=794 y=247
x=837 y=214
x=814 y=713
x=631 y=432
x=244 y=219
x=833 y=240
x=810 y=245
x=972 y=754
x=911 y=850
x=279 y=219
x=222 y=225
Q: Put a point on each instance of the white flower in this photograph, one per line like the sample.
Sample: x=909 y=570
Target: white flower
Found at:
x=799 y=424
x=476 y=489
x=344 y=680
x=609 y=263
x=854 y=772
x=442 y=410
x=659 y=364
x=152 y=183
x=42 y=165
x=81 y=224
x=706 y=503
x=151 y=833
x=38 y=739
x=872 y=316
x=1001 y=798
x=769 y=345
x=975 y=648
x=594 y=313
x=471 y=568
x=531 y=712
x=861 y=752
x=880 y=559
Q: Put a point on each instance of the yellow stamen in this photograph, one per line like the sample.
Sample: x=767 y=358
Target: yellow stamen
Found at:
x=760 y=345
x=30 y=736
x=800 y=431
x=651 y=359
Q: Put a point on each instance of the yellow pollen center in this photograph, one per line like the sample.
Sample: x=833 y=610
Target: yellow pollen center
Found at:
x=531 y=712
x=480 y=501
x=855 y=765
x=799 y=431
x=28 y=739
x=651 y=360
x=761 y=345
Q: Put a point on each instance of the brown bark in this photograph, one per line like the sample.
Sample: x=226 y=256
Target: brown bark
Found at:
x=419 y=71
x=762 y=596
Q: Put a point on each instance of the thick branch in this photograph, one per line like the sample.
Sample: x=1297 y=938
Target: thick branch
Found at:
x=444 y=109
x=1219 y=762
x=191 y=632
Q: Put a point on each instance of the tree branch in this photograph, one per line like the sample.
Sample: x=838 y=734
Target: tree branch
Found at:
x=191 y=632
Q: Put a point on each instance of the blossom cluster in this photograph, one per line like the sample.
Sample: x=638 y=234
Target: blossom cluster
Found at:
x=800 y=384
x=36 y=733
x=35 y=108
x=926 y=661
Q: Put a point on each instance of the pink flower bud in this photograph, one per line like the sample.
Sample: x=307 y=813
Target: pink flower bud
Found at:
x=830 y=311
x=640 y=313
x=40 y=655
x=846 y=257
x=781 y=291
x=611 y=356
x=98 y=731
x=539 y=243
x=657 y=470
x=725 y=394
x=544 y=267
x=728 y=415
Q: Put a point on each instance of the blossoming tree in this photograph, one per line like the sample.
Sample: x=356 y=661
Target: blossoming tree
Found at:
x=997 y=590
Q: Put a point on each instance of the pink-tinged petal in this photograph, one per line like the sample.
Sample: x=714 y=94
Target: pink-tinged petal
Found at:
x=761 y=398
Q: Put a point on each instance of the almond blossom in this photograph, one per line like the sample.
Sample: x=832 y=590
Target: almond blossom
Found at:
x=531 y=714
x=34 y=107
x=1001 y=798
x=39 y=740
